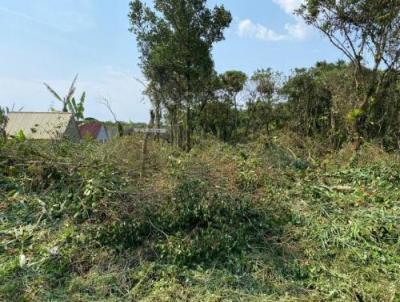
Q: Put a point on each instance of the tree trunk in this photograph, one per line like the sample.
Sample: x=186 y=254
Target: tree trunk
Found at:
x=367 y=102
x=65 y=107
x=188 y=128
x=236 y=113
x=158 y=118
x=120 y=129
x=145 y=143
x=172 y=132
x=181 y=139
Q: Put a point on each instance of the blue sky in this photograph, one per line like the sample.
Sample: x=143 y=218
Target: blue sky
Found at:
x=51 y=41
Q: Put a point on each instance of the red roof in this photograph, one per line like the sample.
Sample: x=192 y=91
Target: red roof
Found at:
x=90 y=130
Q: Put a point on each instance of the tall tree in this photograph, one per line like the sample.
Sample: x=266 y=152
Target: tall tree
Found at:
x=175 y=40
x=309 y=100
x=265 y=84
x=368 y=33
x=233 y=82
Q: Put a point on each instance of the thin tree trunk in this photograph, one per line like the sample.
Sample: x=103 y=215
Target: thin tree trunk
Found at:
x=188 y=128
x=145 y=143
x=236 y=113
x=158 y=118
x=172 y=133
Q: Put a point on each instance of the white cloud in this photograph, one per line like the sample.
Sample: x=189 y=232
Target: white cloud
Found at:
x=298 y=31
x=249 y=29
x=289 y=6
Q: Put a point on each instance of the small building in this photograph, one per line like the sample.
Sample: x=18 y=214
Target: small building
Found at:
x=94 y=130
x=132 y=131
x=42 y=125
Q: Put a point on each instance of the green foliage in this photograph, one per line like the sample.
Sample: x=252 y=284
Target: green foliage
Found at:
x=366 y=32
x=78 y=107
x=266 y=82
x=20 y=136
x=233 y=82
x=252 y=222
x=3 y=121
x=285 y=217
x=195 y=218
x=219 y=119
x=175 y=40
x=310 y=100
x=354 y=115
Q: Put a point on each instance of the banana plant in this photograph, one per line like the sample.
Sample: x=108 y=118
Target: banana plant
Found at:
x=77 y=107
x=69 y=103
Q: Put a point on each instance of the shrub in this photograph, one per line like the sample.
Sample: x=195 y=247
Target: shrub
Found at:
x=183 y=229
x=201 y=226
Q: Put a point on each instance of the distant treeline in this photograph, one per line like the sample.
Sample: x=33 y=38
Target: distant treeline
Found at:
x=353 y=100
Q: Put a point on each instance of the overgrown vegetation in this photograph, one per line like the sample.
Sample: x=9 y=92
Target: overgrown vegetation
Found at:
x=275 y=220
x=354 y=101
x=271 y=188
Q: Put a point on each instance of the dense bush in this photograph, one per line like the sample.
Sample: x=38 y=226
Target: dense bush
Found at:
x=207 y=227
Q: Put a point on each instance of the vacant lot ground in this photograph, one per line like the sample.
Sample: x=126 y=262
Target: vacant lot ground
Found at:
x=277 y=220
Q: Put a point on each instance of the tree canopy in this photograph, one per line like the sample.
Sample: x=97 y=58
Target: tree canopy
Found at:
x=367 y=32
x=175 y=40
